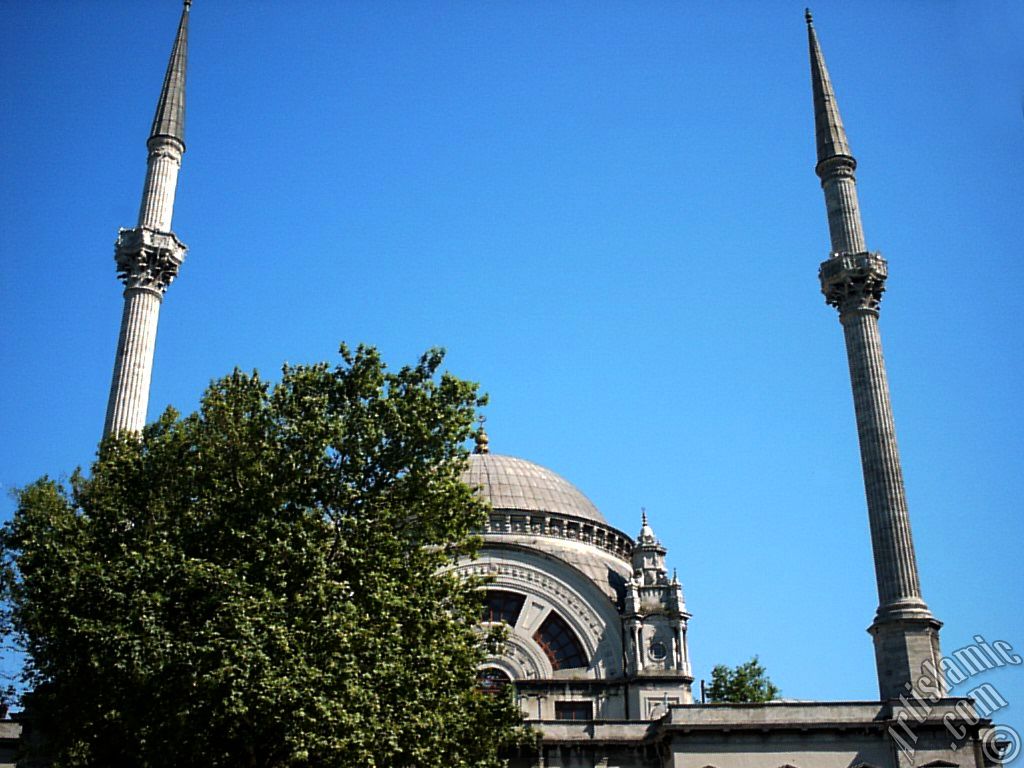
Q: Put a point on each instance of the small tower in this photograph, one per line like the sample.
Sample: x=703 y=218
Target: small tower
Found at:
x=906 y=634
x=655 y=623
x=149 y=255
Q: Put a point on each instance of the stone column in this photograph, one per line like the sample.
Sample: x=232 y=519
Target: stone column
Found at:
x=161 y=182
x=129 y=391
x=904 y=630
x=840 y=186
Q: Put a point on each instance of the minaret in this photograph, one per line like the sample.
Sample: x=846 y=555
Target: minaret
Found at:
x=906 y=635
x=149 y=255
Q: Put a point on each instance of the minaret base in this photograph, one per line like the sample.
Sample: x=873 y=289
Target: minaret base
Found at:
x=907 y=656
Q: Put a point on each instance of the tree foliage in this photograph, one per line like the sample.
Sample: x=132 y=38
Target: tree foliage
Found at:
x=741 y=684
x=263 y=582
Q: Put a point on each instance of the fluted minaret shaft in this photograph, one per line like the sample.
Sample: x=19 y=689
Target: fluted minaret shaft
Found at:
x=844 y=225
x=853 y=280
x=129 y=393
x=164 y=162
x=895 y=566
x=149 y=255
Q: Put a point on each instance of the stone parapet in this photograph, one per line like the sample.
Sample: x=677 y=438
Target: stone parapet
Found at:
x=553 y=525
x=811 y=715
x=627 y=732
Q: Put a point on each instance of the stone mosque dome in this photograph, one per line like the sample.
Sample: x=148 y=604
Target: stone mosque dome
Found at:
x=513 y=484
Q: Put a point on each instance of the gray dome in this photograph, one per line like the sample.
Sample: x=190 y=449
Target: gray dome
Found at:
x=517 y=484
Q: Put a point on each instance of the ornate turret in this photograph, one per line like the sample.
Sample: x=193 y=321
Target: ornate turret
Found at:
x=655 y=617
x=149 y=255
x=649 y=556
x=853 y=280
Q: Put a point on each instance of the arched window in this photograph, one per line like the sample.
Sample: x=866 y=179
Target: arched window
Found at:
x=492 y=680
x=560 y=643
x=503 y=606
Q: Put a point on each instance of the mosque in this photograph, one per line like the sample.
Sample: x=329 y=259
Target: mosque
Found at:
x=597 y=647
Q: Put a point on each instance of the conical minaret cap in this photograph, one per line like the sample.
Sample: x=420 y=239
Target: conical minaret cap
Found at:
x=170 y=110
x=828 y=125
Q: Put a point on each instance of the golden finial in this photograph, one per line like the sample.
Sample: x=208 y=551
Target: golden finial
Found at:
x=482 y=441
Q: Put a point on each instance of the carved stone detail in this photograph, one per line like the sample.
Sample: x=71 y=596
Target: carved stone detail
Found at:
x=532 y=580
x=147 y=259
x=166 y=152
x=551 y=524
x=166 y=146
x=523 y=660
x=854 y=282
x=835 y=167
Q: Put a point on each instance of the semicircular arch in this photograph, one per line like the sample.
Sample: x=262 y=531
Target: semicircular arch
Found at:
x=550 y=584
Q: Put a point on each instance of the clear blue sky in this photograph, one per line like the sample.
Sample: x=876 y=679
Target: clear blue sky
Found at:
x=607 y=213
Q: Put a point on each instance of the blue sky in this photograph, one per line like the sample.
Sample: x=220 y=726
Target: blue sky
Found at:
x=607 y=213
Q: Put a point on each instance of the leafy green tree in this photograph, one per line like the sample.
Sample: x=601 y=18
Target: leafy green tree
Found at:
x=263 y=582
x=745 y=683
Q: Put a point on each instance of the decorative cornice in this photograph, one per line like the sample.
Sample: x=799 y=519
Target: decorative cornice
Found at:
x=836 y=167
x=148 y=260
x=854 y=283
x=166 y=146
x=570 y=527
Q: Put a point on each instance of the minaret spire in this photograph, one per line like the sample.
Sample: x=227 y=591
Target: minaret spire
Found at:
x=853 y=279
x=169 y=119
x=828 y=124
x=835 y=160
x=149 y=255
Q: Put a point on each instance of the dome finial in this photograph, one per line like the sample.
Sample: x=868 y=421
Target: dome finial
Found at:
x=808 y=17
x=646 y=534
x=482 y=441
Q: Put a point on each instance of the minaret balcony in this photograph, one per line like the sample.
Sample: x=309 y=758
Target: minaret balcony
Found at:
x=854 y=281
x=148 y=259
